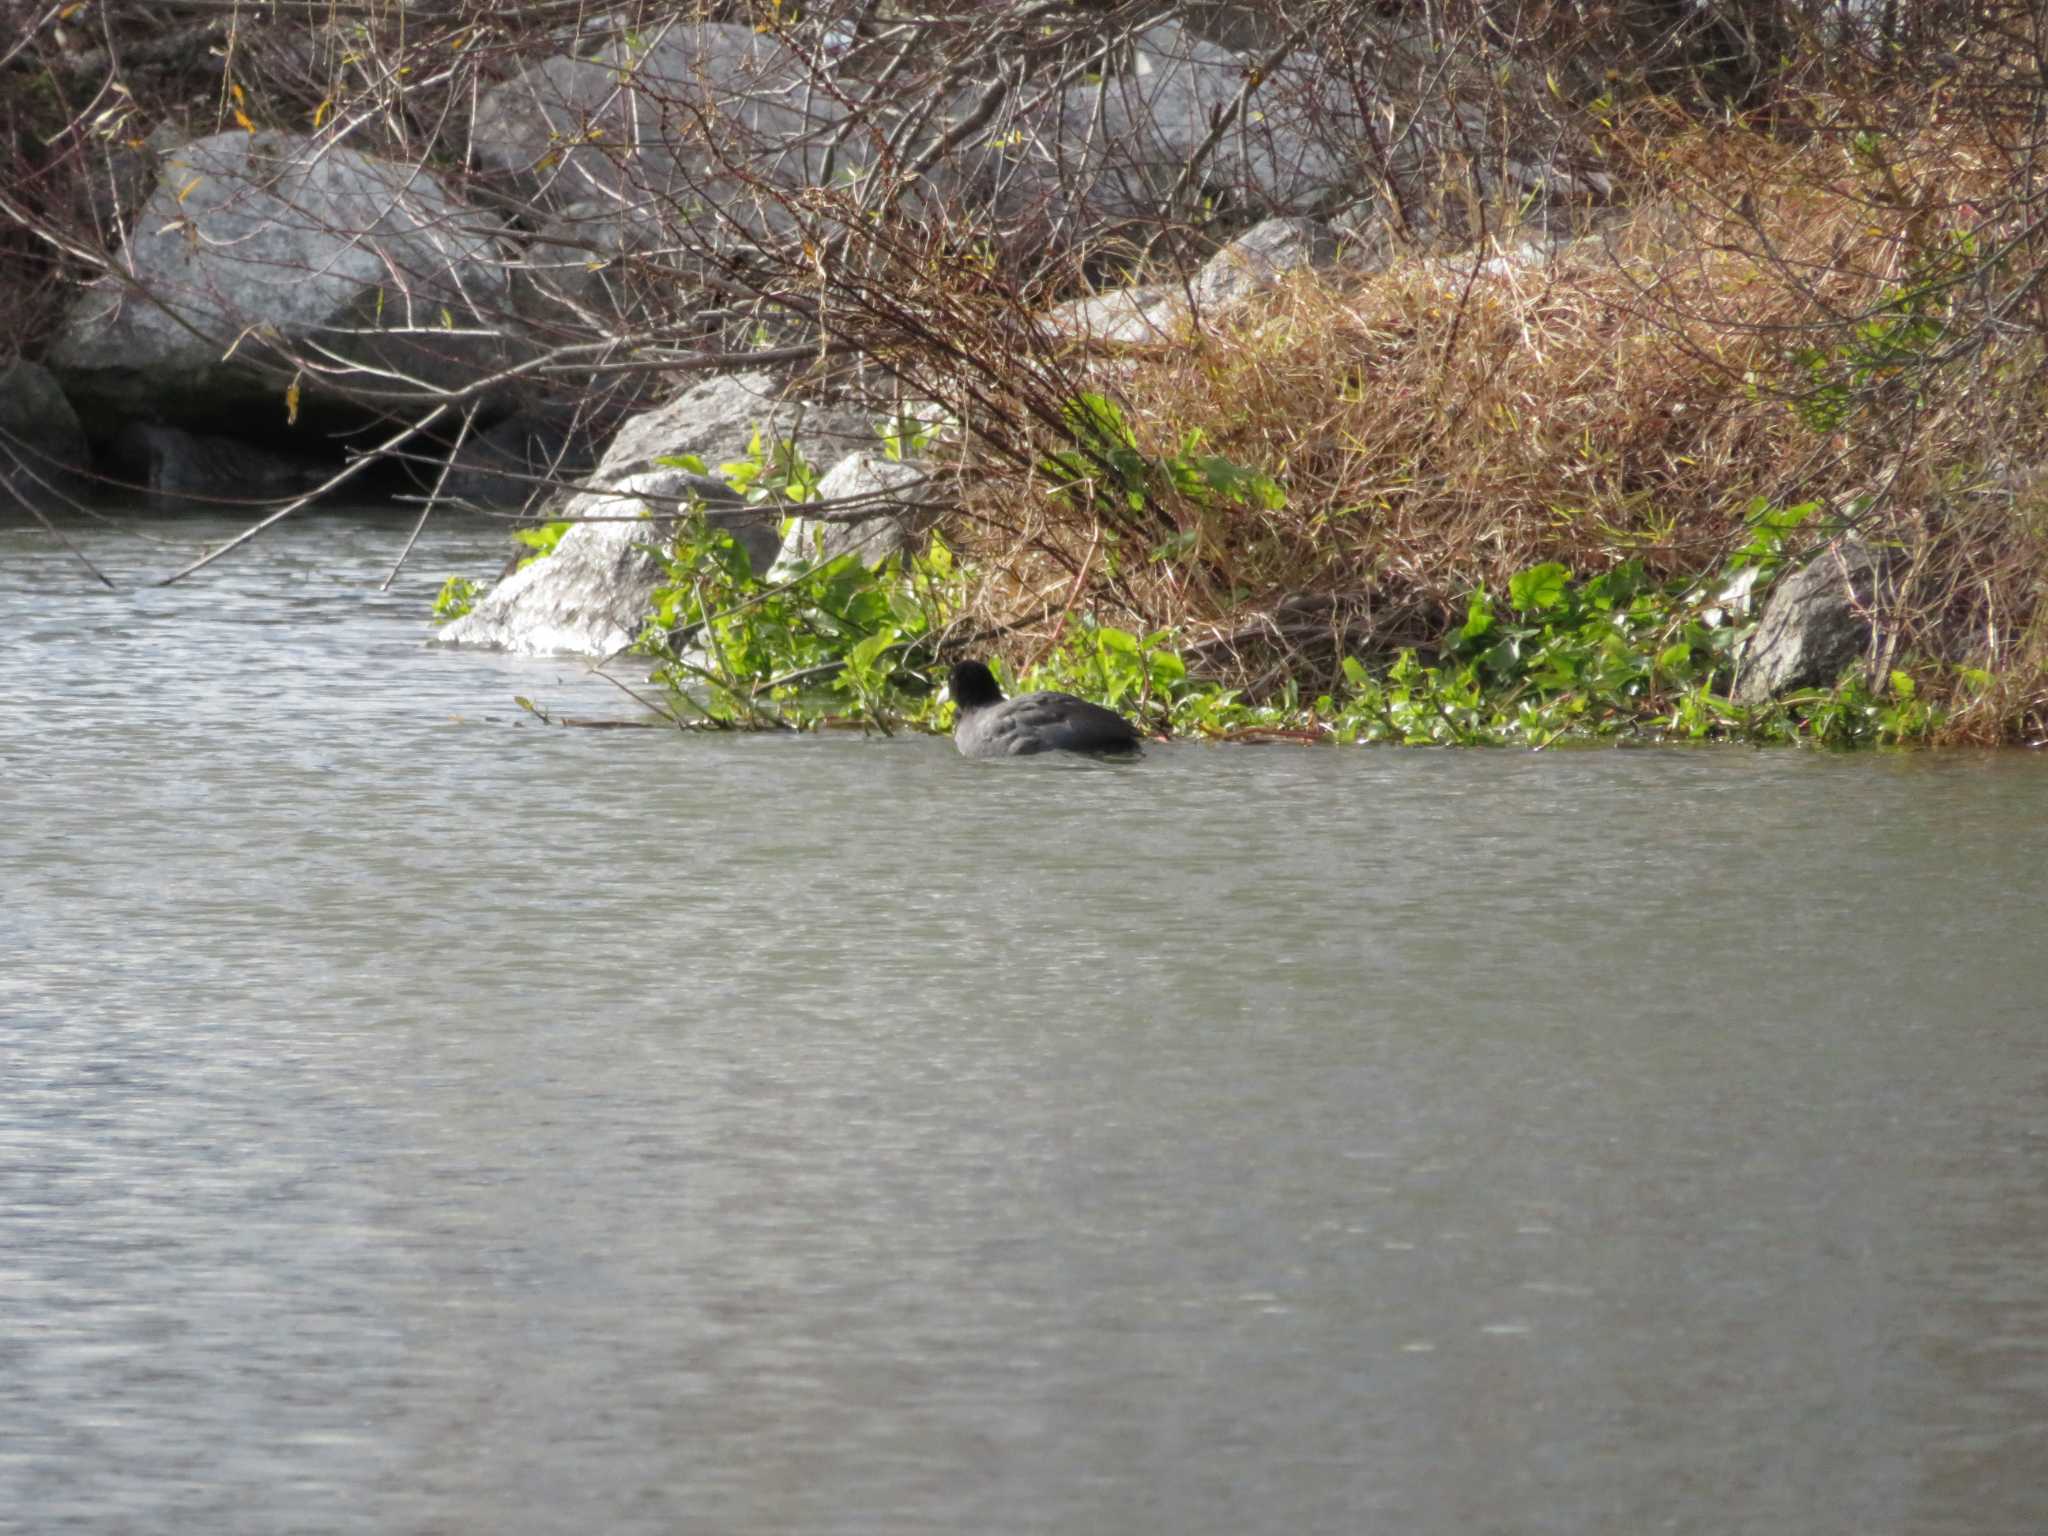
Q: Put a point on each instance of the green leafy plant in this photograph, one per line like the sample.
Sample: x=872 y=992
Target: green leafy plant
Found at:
x=1108 y=469
x=1105 y=468
x=1857 y=712
x=773 y=469
x=541 y=540
x=1890 y=345
x=908 y=435
x=1559 y=659
x=1770 y=526
x=836 y=640
x=457 y=597
x=1114 y=666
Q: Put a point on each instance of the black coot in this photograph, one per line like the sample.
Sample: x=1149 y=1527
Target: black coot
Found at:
x=989 y=725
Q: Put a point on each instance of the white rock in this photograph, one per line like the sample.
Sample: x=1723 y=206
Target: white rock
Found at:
x=1102 y=158
x=686 y=119
x=248 y=235
x=1148 y=313
x=592 y=594
x=898 y=491
x=1259 y=258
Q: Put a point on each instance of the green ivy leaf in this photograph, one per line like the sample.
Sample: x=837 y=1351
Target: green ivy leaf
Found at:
x=1540 y=588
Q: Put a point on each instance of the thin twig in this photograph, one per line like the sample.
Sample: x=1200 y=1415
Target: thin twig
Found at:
x=433 y=496
x=346 y=473
x=54 y=532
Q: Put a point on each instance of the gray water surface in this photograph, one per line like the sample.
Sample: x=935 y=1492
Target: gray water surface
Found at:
x=417 y=1119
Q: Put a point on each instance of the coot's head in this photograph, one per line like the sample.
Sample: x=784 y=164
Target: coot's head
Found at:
x=973 y=686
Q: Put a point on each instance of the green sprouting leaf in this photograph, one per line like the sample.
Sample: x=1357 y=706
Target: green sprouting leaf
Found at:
x=907 y=434
x=1109 y=639
x=1478 y=616
x=1099 y=422
x=741 y=474
x=1903 y=687
x=1766 y=514
x=1540 y=588
x=541 y=540
x=860 y=661
x=457 y=596
x=683 y=461
x=1234 y=482
x=1616 y=588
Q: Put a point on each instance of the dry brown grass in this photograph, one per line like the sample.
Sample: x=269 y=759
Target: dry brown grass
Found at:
x=1446 y=424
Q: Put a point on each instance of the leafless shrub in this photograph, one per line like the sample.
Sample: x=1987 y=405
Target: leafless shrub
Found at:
x=1810 y=260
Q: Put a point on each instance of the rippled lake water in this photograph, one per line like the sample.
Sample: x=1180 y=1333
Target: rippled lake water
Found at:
x=417 y=1119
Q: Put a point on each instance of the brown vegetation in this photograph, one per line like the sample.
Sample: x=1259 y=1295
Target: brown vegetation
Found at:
x=1805 y=265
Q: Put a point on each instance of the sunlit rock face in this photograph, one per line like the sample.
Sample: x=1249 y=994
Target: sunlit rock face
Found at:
x=695 y=126
x=1819 y=619
x=258 y=245
x=896 y=496
x=592 y=594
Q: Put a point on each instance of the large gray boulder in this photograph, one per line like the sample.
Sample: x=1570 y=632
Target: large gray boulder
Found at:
x=43 y=457
x=1246 y=28
x=514 y=463
x=592 y=595
x=1152 y=312
x=582 y=270
x=1106 y=156
x=253 y=244
x=1819 y=620
x=877 y=507
x=717 y=417
x=183 y=471
x=1256 y=261
x=1261 y=258
x=683 y=120
x=1143 y=124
